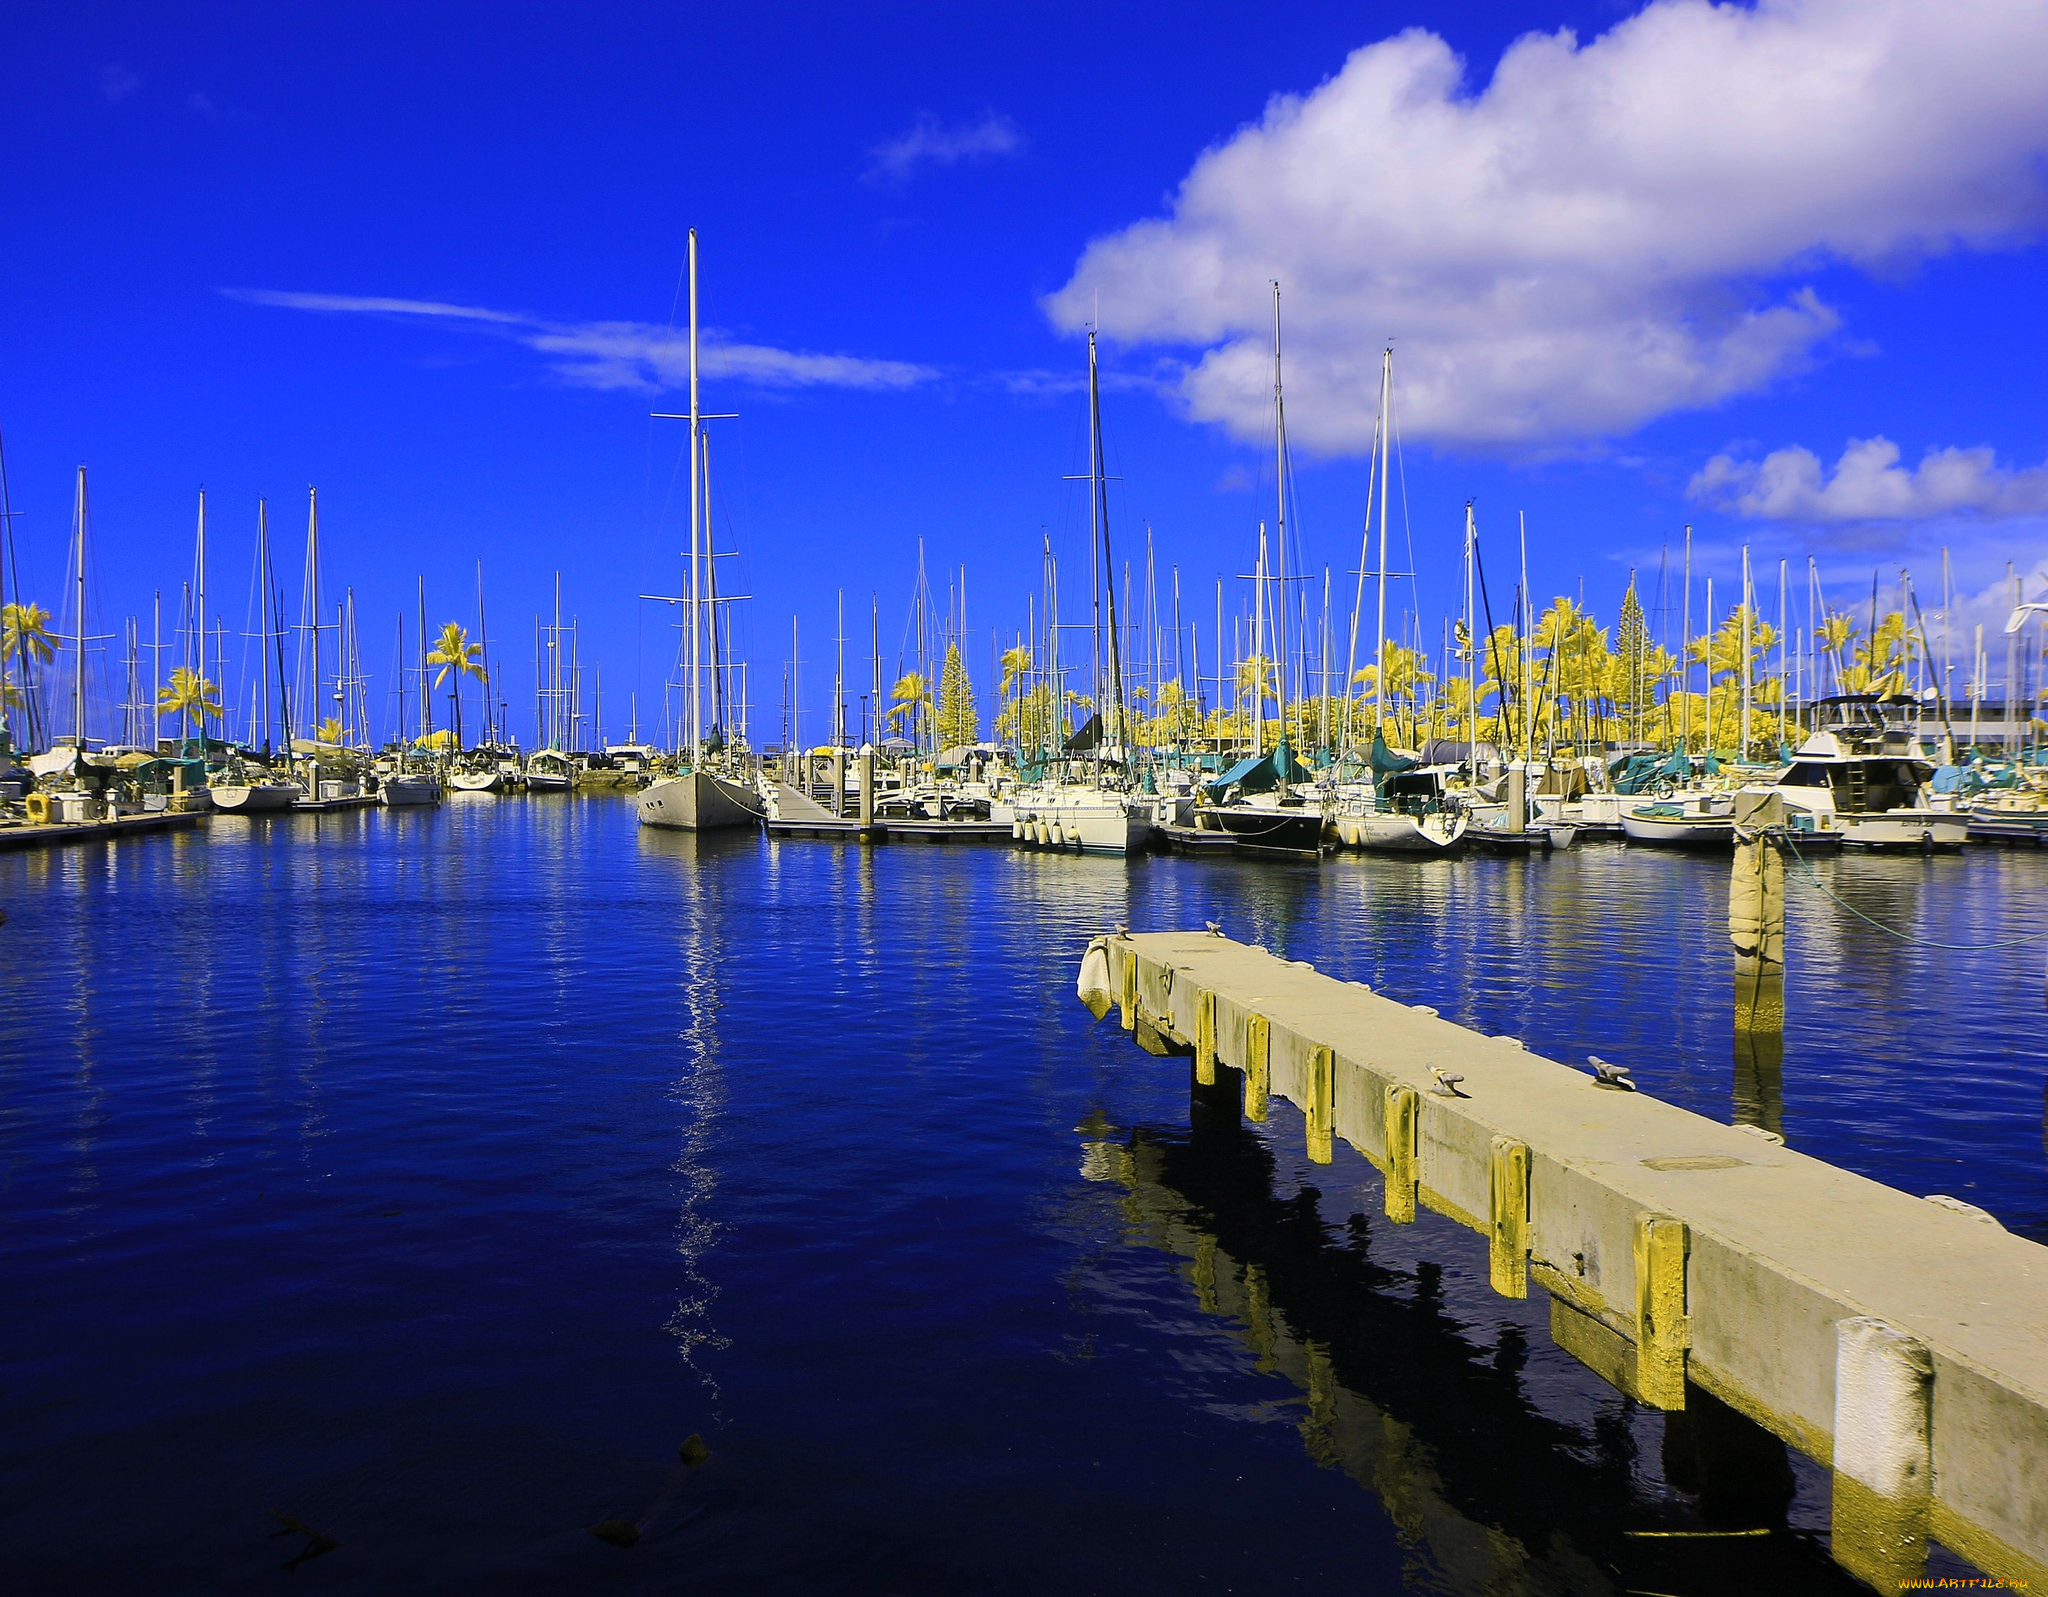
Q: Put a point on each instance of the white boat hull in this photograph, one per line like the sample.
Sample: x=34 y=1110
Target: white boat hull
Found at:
x=1679 y=831
x=1392 y=833
x=475 y=781
x=401 y=791
x=1903 y=829
x=256 y=797
x=1106 y=825
x=698 y=801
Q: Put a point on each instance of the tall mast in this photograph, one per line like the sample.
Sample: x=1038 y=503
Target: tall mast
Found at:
x=1259 y=646
x=199 y=589
x=1527 y=650
x=1112 y=725
x=1471 y=647
x=483 y=643
x=264 y=608
x=1685 y=648
x=1746 y=603
x=1280 y=527
x=426 y=699
x=1379 y=697
x=78 y=659
x=312 y=601
x=694 y=700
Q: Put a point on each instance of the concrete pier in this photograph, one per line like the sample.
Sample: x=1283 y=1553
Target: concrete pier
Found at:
x=1678 y=1254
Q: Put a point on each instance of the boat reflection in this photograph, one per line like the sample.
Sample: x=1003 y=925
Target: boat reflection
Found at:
x=1440 y=1420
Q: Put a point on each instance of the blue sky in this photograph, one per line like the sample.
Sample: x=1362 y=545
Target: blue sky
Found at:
x=1628 y=275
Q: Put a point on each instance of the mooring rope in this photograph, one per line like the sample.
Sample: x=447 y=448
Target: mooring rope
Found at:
x=1891 y=931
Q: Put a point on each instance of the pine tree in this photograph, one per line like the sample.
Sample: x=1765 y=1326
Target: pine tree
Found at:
x=1632 y=656
x=957 y=722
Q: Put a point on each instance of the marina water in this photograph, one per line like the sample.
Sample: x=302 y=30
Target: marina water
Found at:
x=419 y=1181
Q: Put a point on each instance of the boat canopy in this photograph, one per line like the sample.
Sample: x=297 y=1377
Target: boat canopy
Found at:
x=1260 y=773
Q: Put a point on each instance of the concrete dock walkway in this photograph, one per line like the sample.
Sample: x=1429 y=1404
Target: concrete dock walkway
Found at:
x=58 y=834
x=1901 y=1341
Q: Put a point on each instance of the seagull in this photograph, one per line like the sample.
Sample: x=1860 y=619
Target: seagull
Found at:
x=1610 y=1075
x=1215 y=927
x=2019 y=616
x=1446 y=1082
x=1121 y=930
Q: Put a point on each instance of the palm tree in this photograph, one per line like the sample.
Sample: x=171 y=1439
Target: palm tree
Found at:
x=24 y=632
x=912 y=698
x=189 y=695
x=331 y=730
x=457 y=657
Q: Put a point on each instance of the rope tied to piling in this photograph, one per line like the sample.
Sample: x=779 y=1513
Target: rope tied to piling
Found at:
x=1784 y=836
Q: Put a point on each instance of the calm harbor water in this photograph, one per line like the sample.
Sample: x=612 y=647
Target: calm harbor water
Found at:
x=426 y=1179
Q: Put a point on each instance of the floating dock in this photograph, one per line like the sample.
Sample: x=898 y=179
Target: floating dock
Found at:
x=800 y=816
x=1900 y=1341
x=58 y=834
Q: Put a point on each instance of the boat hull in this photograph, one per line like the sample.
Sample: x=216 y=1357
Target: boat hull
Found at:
x=255 y=798
x=476 y=781
x=1085 y=826
x=548 y=782
x=1393 y=833
x=1679 y=831
x=698 y=801
x=1297 y=831
x=1903 y=829
x=398 y=792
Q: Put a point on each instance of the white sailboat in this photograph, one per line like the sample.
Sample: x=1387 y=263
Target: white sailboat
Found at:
x=712 y=790
x=242 y=787
x=1091 y=810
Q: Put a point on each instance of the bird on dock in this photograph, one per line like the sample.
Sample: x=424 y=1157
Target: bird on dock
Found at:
x=1610 y=1075
x=1215 y=927
x=1446 y=1082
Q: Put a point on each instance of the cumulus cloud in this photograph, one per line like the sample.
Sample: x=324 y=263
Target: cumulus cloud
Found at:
x=930 y=142
x=1602 y=234
x=1869 y=484
x=633 y=355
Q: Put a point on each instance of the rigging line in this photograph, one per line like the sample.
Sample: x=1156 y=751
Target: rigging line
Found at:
x=1905 y=937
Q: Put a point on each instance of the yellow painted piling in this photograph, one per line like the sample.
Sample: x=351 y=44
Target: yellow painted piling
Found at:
x=1322 y=1107
x=1258 y=1067
x=1404 y=1109
x=1508 y=1203
x=1662 y=1330
x=1205 y=1040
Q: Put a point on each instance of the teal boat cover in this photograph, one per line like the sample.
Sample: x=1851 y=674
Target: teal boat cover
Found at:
x=1259 y=774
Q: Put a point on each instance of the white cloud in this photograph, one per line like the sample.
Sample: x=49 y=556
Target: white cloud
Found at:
x=930 y=142
x=1589 y=240
x=1869 y=484
x=636 y=355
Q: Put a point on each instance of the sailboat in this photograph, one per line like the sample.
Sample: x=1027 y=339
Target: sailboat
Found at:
x=243 y=787
x=1087 y=806
x=710 y=790
x=1387 y=803
x=1268 y=802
